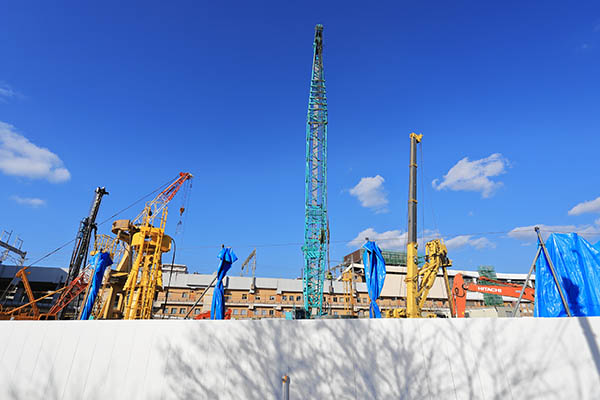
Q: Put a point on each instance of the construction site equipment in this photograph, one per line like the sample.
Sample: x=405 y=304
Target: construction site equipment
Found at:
x=348 y=279
x=206 y=315
x=488 y=271
x=9 y=249
x=130 y=289
x=420 y=280
x=244 y=267
x=485 y=285
x=84 y=235
x=316 y=224
x=82 y=244
x=412 y=273
x=30 y=310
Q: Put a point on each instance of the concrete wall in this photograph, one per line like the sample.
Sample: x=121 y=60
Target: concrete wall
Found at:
x=341 y=359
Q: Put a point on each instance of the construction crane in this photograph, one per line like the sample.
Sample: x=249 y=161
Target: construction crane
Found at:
x=15 y=248
x=460 y=289
x=130 y=289
x=244 y=268
x=316 y=223
x=31 y=311
x=82 y=243
x=420 y=280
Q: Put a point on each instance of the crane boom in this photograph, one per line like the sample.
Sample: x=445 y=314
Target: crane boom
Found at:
x=82 y=242
x=155 y=206
x=316 y=226
x=132 y=286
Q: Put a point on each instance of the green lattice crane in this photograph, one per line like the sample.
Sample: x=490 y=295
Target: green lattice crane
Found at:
x=316 y=227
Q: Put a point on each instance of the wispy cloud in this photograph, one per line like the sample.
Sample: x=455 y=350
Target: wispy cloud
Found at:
x=527 y=233
x=468 y=240
x=396 y=240
x=370 y=192
x=592 y=206
x=6 y=92
x=474 y=175
x=20 y=157
x=29 y=201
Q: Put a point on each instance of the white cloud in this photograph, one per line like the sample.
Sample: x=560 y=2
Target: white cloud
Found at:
x=20 y=157
x=474 y=175
x=527 y=233
x=591 y=206
x=29 y=201
x=389 y=240
x=468 y=240
x=6 y=92
x=371 y=194
x=396 y=240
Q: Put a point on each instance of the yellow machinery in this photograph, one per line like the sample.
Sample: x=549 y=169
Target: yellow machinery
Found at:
x=348 y=279
x=420 y=280
x=131 y=287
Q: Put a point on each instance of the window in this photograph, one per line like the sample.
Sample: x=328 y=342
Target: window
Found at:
x=244 y=296
x=364 y=300
x=235 y=312
x=271 y=312
x=284 y=298
x=244 y=312
x=335 y=299
x=256 y=297
x=182 y=311
x=173 y=310
x=335 y=313
x=298 y=298
x=272 y=298
x=197 y=311
x=184 y=295
x=264 y=312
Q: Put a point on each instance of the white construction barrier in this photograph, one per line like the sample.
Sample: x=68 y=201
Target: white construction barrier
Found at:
x=522 y=358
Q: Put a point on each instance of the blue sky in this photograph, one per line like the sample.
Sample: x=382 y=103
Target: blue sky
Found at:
x=102 y=94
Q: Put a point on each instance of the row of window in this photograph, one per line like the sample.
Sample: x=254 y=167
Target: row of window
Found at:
x=257 y=312
x=175 y=310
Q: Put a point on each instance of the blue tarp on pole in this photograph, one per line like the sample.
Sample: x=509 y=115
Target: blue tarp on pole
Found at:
x=577 y=264
x=217 y=308
x=374 y=275
x=101 y=261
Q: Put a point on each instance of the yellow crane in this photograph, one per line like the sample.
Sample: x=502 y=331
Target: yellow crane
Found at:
x=131 y=287
x=419 y=280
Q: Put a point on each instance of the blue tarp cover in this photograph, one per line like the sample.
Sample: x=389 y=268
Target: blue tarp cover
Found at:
x=101 y=260
x=374 y=275
x=597 y=245
x=577 y=264
x=217 y=308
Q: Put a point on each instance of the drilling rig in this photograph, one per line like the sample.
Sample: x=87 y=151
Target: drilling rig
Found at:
x=80 y=251
x=420 y=280
x=316 y=223
x=130 y=289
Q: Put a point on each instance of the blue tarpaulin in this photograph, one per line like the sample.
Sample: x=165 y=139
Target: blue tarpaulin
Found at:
x=597 y=245
x=101 y=261
x=577 y=264
x=217 y=309
x=374 y=275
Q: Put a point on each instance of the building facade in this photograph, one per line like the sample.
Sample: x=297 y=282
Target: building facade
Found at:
x=257 y=298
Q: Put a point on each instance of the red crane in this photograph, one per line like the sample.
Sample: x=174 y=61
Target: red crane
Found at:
x=460 y=289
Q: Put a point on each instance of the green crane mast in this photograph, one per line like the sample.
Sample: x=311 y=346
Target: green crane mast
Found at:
x=316 y=225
